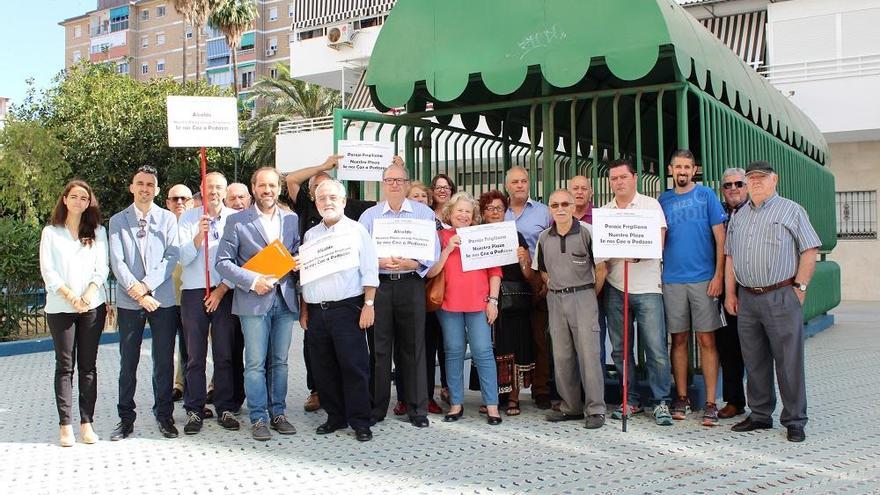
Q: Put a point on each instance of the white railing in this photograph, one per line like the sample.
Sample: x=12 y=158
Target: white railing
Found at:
x=863 y=65
x=313 y=124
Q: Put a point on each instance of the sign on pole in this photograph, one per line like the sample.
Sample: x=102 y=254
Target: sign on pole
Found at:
x=488 y=245
x=197 y=121
x=364 y=160
x=627 y=233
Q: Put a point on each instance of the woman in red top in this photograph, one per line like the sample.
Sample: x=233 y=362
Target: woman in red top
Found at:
x=470 y=306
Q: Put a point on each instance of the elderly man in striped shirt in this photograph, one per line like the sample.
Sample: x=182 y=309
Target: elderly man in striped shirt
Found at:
x=771 y=253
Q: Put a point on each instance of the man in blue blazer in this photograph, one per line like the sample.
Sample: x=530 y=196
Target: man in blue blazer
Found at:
x=143 y=254
x=267 y=307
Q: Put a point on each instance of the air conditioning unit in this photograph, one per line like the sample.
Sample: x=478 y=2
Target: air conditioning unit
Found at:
x=339 y=35
x=270 y=52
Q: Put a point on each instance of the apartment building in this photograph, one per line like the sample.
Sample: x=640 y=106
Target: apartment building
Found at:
x=146 y=39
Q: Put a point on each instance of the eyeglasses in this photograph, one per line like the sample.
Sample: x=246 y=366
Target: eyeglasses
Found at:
x=395 y=180
x=564 y=204
x=178 y=199
x=442 y=188
x=730 y=185
x=496 y=209
x=142 y=228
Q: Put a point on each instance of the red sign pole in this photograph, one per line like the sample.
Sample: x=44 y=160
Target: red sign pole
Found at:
x=204 y=188
x=625 y=344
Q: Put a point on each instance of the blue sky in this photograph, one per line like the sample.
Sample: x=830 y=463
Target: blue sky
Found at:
x=33 y=42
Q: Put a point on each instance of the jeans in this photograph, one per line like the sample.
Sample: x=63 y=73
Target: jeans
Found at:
x=647 y=311
x=196 y=322
x=267 y=338
x=460 y=329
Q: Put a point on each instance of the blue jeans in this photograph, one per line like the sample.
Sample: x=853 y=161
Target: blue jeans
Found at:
x=267 y=337
x=478 y=334
x=647 y=311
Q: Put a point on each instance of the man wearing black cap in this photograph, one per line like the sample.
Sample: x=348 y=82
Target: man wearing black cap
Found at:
x=771 y=253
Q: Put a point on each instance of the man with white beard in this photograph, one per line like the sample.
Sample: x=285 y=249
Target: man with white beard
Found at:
x=338 y=310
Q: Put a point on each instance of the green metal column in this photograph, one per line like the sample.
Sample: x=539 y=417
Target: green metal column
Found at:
x=547 y=132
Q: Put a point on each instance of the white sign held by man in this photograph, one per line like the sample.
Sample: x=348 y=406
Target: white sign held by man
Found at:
x=197 y=121
x=626 y=233
x=327 y=255
x=488 y=245
x=405 y=238
x=364 y=160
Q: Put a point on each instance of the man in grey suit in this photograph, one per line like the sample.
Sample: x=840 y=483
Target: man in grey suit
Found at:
x=267 y=307
x=143 y=254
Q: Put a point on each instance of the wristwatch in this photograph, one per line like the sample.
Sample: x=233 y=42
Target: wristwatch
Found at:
x=493 y=300
x=369 y=302
x=801 y=287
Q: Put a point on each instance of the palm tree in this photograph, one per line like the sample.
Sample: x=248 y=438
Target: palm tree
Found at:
x=185 y=9
x=201 y=12
x=281 y=99
x=233 y=18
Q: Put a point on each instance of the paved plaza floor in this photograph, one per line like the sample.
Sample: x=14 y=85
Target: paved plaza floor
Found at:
x=523 y=455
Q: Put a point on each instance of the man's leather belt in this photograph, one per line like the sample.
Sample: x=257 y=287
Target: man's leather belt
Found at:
x=572 y=290
x=356 y=301
x=398 y=276
x=764 y=290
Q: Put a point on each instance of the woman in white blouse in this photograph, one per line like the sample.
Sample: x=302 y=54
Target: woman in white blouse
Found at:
x=74 y=265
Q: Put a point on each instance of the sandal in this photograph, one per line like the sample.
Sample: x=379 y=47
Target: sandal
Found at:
x=513 y=408
x=483 y=410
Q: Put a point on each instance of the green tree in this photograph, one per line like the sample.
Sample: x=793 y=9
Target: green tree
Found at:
x=233 y=18
x=31 y=168
x=278 y=100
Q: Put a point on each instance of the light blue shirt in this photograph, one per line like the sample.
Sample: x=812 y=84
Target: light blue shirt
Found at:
x=346 y=283
x=534 y=219
x=409 y=209
x=192 y=259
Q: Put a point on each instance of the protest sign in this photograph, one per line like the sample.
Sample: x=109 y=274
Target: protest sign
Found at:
x=327 y=255
x=405 y=238
x=626 y=233
x=485 y=246
x=197 y=121
x=364 y=160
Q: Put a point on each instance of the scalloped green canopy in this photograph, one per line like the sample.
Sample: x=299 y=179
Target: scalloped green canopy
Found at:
x=446 y=44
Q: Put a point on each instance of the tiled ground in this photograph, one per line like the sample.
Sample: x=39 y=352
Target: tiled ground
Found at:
x=524 y=454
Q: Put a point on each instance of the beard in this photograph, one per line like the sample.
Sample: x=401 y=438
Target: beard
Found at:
x=682 y=181
x=331 y=215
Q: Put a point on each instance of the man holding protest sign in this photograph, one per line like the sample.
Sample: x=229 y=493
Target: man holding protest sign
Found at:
x=565 y=259
x=400 y=299
x=339 y=308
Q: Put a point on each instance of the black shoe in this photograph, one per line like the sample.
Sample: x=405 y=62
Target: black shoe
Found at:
x=559 y=417
x=748 y=425
x=493 y=420
x=227 y=420
x=419 y=421
x=796 y=434
x=193 y=424
x=209 y=399
x=364 y=435
x=177 y=395
x=167 y=428
x=328 y=428
x=449 y=418
x=281 y=425
x=122 y=430
x=375 y=420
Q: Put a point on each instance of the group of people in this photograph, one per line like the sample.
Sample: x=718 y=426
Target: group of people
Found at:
x=370 y=325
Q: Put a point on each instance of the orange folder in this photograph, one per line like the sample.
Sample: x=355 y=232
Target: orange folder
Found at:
x=273 y=261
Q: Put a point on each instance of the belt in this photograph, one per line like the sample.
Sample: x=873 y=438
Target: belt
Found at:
x=572 y=290
x=398 y=276
x=764 y=290
x=325 y=305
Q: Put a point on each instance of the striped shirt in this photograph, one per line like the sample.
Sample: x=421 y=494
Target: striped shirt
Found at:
x=766 y=241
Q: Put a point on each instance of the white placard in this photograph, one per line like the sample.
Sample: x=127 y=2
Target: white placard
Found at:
x=485 y=246
x=405 y=238
x=626 y=233
x=196 y=121
x=327 y=255
x=364 y=160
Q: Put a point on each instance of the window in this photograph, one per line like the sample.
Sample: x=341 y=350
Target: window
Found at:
x=290 y=10
x=160 y=11
x=273 y=73
x=365 y=23
x=273 y=13
x=76 y=56
x=160 y=65
x=247 y=79
x=145 y=68
x=145 y=15
x=307 y=35
x=77 y=31
x=122 y=68
x=857 y=215
x=273 y=44
x=189 y=32
x=145 y=41
x=160 y=39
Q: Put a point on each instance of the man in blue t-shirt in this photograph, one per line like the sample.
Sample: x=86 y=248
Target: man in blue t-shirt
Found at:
x=693 y=274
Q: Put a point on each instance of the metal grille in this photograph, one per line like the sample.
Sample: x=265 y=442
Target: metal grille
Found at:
x=857 y=215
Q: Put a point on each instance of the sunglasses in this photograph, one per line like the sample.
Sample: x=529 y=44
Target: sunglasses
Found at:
x=177 y=199
x=730 y=185
x=564 y=204
x=142 y=229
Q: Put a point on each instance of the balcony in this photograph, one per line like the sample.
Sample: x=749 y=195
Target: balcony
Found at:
x=865 y=65
x=99 y=30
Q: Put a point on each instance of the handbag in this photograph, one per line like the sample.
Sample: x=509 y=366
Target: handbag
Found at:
x=434 y=292
x=515 y=296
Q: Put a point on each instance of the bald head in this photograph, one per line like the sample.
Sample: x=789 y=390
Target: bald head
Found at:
x=180 y=199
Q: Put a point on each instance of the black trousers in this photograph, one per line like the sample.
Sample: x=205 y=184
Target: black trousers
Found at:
x=196 y=323
x=76 y=337
x=310 y=378
x=237 y=365
x=400 y=322
x=341 y=362
x=731 y=360
x=434 y=347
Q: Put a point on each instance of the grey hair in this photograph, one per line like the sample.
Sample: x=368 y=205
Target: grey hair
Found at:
x=515 y=169
x=461 y=196
x=734 y=171
x=340 y=189
x=393 y=166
